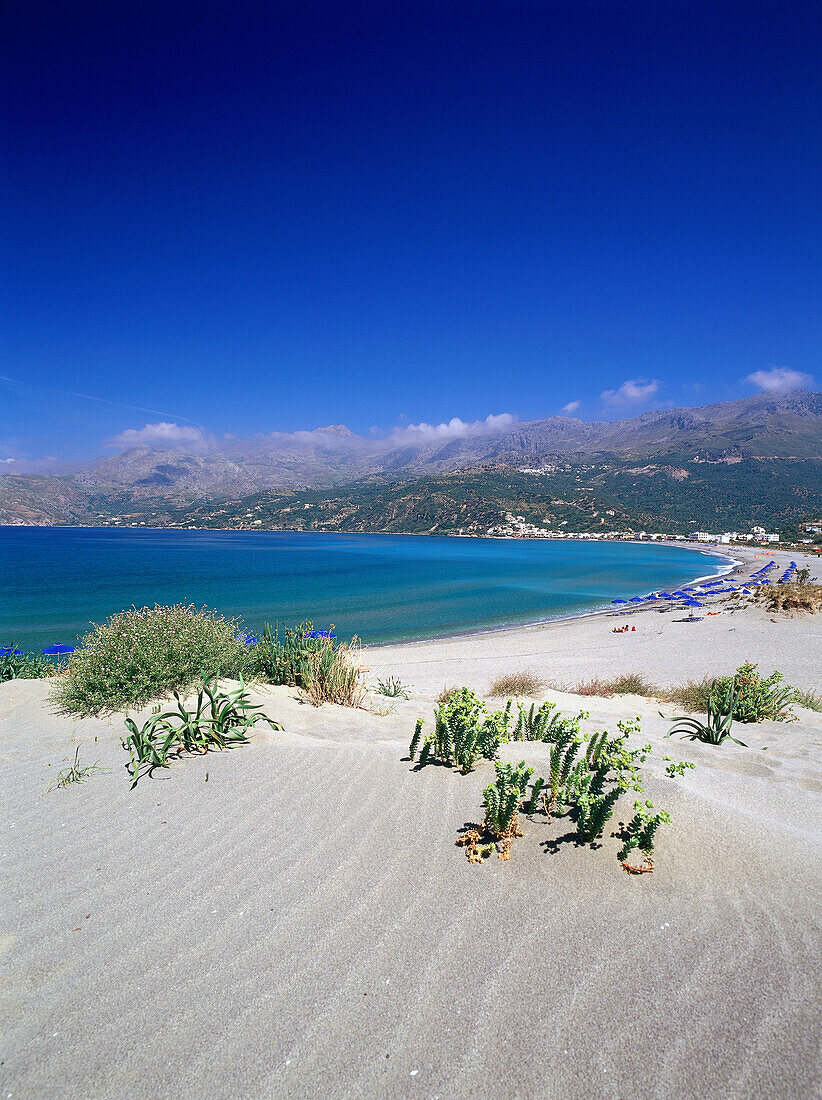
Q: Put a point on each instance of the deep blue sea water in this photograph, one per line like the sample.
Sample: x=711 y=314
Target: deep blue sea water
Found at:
x=55 y=581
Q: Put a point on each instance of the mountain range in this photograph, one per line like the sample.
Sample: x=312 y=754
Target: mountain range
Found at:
x=650 y=468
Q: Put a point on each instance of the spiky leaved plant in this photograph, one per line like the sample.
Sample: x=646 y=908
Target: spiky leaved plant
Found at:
x=217 y=721
x=717 y=727
x=533 y=801
x=503 y=797
x=415 y=740
x=561 y=761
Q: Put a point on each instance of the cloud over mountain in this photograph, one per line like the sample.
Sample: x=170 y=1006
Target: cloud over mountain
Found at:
x=631 y=392
x=779 y=380
x=164 y=433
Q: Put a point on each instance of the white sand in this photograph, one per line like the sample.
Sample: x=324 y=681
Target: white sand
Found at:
x=303 y=924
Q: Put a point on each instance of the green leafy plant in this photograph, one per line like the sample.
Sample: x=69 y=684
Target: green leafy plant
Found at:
x=146 y=653
x=286 y=658
x=464 y=732
x=502 y=801
x=586 y=789
x=392 y=688
x=672 y=770
x=16 y=665
x=73 y=774
x=641 y=833
x=754 y=699
x=217 y=721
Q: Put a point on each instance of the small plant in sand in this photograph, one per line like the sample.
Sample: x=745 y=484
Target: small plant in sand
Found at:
x=73 y=774
x=754 y=699
x=392 y=688
x=145 y=653
x=517 y=684
x=673 y=770
x=639 y=834
x=464 y=732
x=587 y=789
x=715 y=730
x=503 y=799
x=446 y=693
x=17 y=665
x=217 y=721
x=811 y=700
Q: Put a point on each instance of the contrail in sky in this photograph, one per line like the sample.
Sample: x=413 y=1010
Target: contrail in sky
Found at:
x=90 y=397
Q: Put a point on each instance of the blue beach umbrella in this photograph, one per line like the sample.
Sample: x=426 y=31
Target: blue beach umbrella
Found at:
x=619 y=601
x=7 y=651
x=58 y=649
x=636 y=599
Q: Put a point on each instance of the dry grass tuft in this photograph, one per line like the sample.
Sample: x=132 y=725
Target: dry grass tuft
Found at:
x=802 y=598
x=446 y=693
x=812 y=700
x=630 y=683
x=517 y=683
x=691 y=695
x=335 y=675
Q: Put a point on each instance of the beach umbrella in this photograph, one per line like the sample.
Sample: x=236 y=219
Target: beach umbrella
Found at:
x=636 y=599
x=619 y=601
x=250 y=639
x=7 y=651
x=58 y=649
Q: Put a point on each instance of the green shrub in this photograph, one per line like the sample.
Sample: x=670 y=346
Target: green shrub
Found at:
x=285 y=659
x=503 y=798
x=755 y=699
x=464 y=732
x=545 y=724
x=146 y=653
x=15 y=665
x=217 y=721
x=641 y=832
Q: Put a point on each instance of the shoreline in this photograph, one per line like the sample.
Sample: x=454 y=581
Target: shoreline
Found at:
x=606 y=609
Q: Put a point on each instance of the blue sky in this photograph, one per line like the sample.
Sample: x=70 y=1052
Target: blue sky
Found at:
x=252 y=217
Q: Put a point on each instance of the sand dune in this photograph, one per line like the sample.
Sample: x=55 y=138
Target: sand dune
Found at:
x=301 y=923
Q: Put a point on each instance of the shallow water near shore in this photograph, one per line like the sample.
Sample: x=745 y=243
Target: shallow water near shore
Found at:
x=381 y=587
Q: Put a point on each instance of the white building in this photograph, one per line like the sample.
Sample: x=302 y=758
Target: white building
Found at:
x=701 y=536
x=759 y=534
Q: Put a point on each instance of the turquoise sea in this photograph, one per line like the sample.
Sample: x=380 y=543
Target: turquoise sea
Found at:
x=55 y=581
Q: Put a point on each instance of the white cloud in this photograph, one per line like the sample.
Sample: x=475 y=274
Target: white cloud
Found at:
x=8 y=459
x=164 y=433
x=779 y=380
x=453 y=429
x=571 y=407
x=631 y=392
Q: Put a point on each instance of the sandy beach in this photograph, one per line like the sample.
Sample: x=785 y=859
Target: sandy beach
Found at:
x=293 y=918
